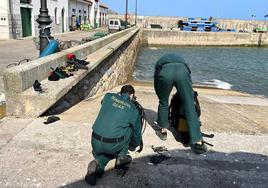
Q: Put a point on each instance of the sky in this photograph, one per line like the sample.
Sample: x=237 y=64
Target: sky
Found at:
x=229 y=9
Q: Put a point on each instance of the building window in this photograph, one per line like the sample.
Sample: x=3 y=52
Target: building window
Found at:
x=73 y=10
x=79 y=11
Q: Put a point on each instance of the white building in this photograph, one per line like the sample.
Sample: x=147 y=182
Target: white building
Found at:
x=103 y=15
x=79 y=10
x=87 y=12
x=4 y=19
x=18 y=17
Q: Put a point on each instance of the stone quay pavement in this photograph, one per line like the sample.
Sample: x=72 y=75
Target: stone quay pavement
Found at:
x=33 y=154
x=12 y=51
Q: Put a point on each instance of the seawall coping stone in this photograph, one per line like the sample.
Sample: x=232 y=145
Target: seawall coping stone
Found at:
x=179 y=38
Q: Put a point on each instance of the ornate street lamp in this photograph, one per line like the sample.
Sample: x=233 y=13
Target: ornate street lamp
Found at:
x=126 y=13
x=266 y=16
x=44 y=22
x=136 y=13
x=253 y=16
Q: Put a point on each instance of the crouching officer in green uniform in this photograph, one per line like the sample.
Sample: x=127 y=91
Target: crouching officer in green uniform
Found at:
x=116 y=130
x=171 y=70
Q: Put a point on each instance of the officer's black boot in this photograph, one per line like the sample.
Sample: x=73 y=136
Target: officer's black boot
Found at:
x=199 y=148
x=122 y=165
x=122 y=161
x=91 y=176
x=162 y=134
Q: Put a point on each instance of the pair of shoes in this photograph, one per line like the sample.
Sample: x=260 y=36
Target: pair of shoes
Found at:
x=161 y=134
x=37 y=86
x=122 y=161
x=82 y=62
x=79 y=64
x=122 y=165
x=91 y=176
x=199 y=148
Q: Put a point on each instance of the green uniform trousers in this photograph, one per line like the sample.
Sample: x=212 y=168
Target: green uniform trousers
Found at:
x=104 y=152
x=177 y=74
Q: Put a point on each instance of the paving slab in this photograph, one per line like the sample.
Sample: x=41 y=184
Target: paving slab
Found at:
x=10 y=127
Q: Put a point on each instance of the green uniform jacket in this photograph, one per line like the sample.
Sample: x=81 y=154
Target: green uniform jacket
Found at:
x=117 y=117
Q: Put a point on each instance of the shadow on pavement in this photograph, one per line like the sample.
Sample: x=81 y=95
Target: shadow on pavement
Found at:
x=151 y=117
x=185 y=169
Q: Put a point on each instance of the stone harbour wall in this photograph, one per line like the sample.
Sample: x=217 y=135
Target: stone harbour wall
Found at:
x=162 y=37
x=172 y=22
x=113 y=71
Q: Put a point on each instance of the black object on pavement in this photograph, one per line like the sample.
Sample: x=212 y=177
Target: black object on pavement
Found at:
x=122 y=171
x=156 y=159
x=51 y=119
x=159 y=149
x=163 y=155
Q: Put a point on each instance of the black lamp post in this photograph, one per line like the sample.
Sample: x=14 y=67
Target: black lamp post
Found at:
x=126 y=13
x=266 y=16
x=136 y=13
x=44 y=22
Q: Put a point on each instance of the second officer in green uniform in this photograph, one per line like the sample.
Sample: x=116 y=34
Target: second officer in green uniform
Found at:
x=171 y=70
x=116 y=130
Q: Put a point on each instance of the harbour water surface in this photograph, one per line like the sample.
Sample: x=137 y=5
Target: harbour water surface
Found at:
x=238 y=68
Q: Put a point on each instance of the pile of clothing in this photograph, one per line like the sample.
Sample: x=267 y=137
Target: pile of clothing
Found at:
x=73 y=64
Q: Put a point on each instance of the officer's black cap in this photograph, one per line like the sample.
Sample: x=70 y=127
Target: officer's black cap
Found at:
x=127 y=89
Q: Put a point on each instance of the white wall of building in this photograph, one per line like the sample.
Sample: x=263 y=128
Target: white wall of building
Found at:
x=58 y=8
x=103 y=16
x=60 y=12
x=94 y=14
x=55 y=9
x=4 y=19
x=79 y=10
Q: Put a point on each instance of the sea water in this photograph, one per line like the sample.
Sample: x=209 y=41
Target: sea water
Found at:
x=239 y=68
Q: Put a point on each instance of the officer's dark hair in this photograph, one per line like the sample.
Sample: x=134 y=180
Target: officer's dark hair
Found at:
x=129 y=89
